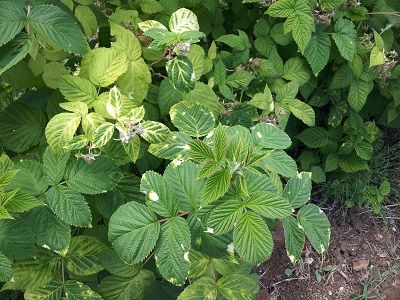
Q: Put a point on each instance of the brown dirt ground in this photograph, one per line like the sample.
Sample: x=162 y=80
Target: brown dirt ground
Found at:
x=356 y=236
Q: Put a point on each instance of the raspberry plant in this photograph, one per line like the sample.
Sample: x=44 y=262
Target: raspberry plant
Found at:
x=150 y=147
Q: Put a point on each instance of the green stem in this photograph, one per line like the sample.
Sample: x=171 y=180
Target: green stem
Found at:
x=62 y=277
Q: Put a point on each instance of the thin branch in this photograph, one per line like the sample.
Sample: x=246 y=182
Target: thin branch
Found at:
x=147 y=259
x=178 y=215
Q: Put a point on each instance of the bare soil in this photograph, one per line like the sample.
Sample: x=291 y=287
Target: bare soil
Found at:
x=363 y=262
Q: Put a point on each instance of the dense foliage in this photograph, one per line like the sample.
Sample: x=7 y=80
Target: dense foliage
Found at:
x=149 y=147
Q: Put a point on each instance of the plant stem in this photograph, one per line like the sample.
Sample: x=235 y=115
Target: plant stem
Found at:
x=160 y=59
x=62 y=276
x=178 y=215
x=147 y=259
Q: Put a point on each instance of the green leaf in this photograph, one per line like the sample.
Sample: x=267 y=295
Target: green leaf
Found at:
x=279 y=36
x=224 y=217
x=168 y=96
x=316 y=226
x=75 y=88
x=298 y=190
x=30 y=178
x=343 y=78
x=20 y=202
x=314 y=137
x=59 y=27
x=195 y=120
x=184 y=184
x=220 y=142
x=91 y=122
x=318 y=174
x=100 y=176
x=106 y=65
x=33 y=273
x=53 y=290
x=183 y=20
x=353 y=163
x=294 y=238
x=269 y=136
x=5 y=268
x=204 y=95
x=330 y=5
x=281 y=9
x=69 y=206
x=126 y=41
x=154 y=132
x=279 y=162
x=269 y=205
x=159 y=197
x=76 y=290
x=103 y=134
x=133 y=231
x=252 y=239
x=239 y=79
x=52 y=72
x=128 y=189
x=114 y=103
x=54 y=166
x=14 y=51
x=132 y=148
x=303 y=111
x=181 y=74
x=21 y=127
x=238 y=286
x=301 y=25
x=199 y=151
x=6 y=178
x=17 y=239
x=60 y=130
x=377 y=57
x=112 y=263
x=345 y=37
x=317 y=51
x=87 y=19
x=172 y=250
x=296 y=69
x=364 y=149
x=78 y=108
x=12 y=20
x=172 y=147
x=151 y=6
x=216 y=186
x=204 y=288
x=219 y=73
x=49 y=230
x=136 y=80
x=133 y=288
x=359 y=91
x=81 y=258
